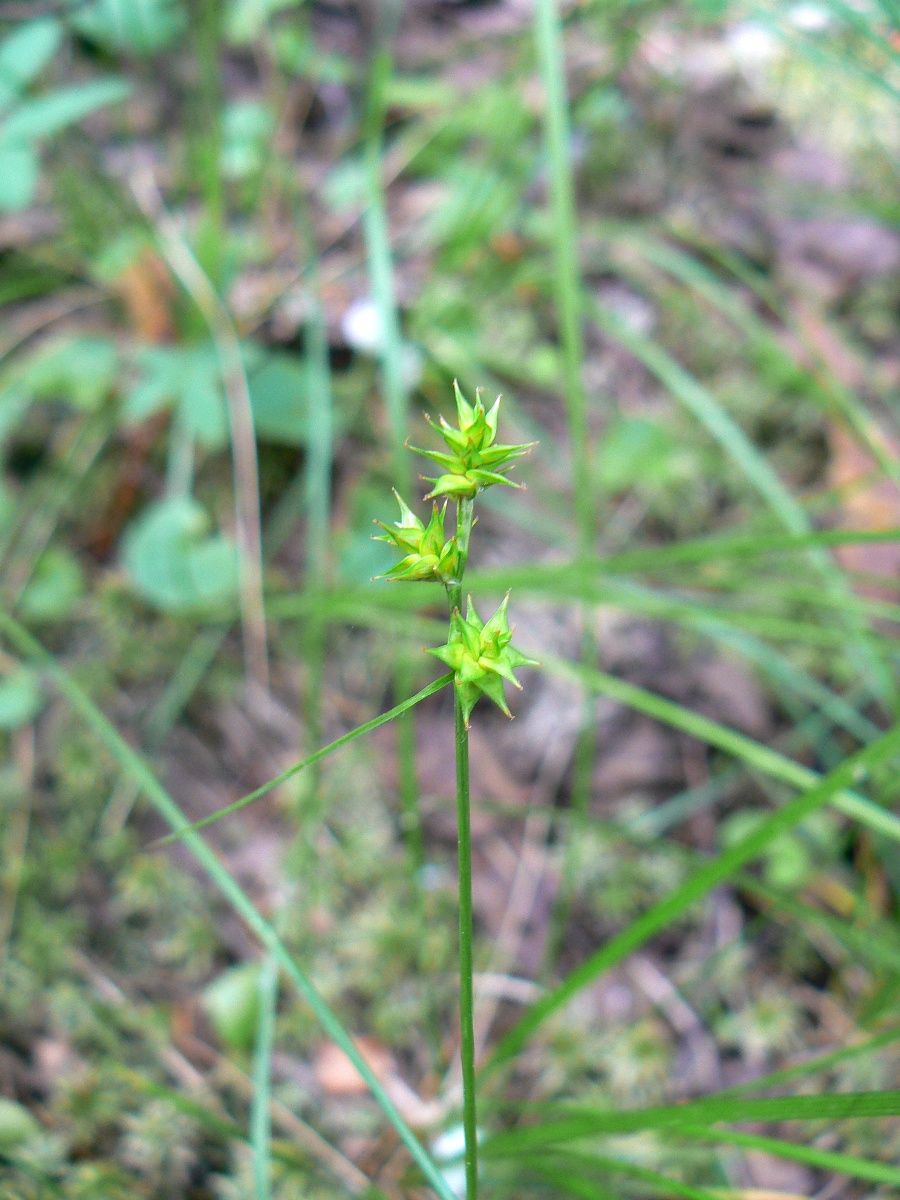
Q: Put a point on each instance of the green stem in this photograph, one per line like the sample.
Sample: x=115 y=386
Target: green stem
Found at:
x=466 y=997
x=465 y=519
x=464 y=522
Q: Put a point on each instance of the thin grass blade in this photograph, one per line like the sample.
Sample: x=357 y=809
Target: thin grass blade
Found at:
x=376 y=722
x=135 y=766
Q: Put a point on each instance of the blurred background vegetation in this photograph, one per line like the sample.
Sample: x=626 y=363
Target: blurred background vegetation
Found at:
x=246 y=245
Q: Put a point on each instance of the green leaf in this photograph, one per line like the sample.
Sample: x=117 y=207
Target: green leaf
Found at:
x=376 y=722
x=7 y=506
x=713 y=1110
x=260 y=1117
x=24 y=54
x=55 y=587
x=80 y=371
x=21 y=698
x=822 y=1160
x=635 y=453
x=187 y=378
x=136 y=26
x=703 y=880
x=46 y=115
x=247 y=127
x=231 y=1002
x=246 y=19
x=279 y=393
x=19 y=172
x=578 y=1174
x=17 y=1125
x=172 y=562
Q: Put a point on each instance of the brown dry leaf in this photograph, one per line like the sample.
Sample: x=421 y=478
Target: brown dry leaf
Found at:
x=147 y=292
x=868 y=502
x=762 y=1194
x=337 y=1076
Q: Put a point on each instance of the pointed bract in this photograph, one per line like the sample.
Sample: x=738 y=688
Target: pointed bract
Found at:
x=482 y=656
x=476 y=460
x=427 y=553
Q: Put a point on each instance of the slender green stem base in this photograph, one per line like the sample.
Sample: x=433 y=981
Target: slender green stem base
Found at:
x=466 y=998
x=464 y=522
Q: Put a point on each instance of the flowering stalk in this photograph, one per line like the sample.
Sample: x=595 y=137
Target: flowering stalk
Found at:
x=480 y=654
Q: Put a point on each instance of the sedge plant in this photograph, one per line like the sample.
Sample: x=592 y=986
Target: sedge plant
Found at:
x=479 y=653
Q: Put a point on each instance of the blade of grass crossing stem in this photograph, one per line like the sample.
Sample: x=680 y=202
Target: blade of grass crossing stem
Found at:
x=584 y=1189
x=704 y=406
x=132 y=762
x=702 y=881
x=688 y=270
x=751 y=546
x=724 y=626
x=198 y=658
x=754 y=754
x=390 y=715
x=574 y=1123
x=872 y=943
x=567 y=289
x=811 y=1156
x=566 y=277
x=260 y=1120
x=814 y=1066
x=568 y=1172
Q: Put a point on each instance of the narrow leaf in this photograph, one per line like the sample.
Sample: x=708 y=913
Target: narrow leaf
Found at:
x=702 y=881
x=317 y=756
x=136 y=767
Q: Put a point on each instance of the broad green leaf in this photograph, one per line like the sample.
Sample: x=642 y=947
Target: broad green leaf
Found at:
x=79 y=371
x=24 y=54
x=247 y=127
x=17 y=1125
x=55 y=587
x=21 y=698
x=787 y=862
x=19 y=172
x=187 y=378
x=174 y=563
x=635 y=453
x=231 y=1002
x=135 y=26
x=279 y=393
x=136 y=768
x=246 y=19
x=36 y=119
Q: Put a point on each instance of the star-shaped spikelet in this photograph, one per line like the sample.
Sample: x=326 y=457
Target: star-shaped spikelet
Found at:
x=428 y=553
x=476 y=459
x=481 y=656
